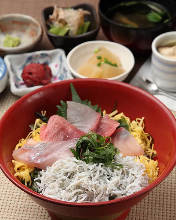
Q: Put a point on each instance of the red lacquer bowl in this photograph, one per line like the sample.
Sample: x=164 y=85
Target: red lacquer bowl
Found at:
x=134 y=102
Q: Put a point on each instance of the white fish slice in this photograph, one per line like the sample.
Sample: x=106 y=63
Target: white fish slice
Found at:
x=82 y=116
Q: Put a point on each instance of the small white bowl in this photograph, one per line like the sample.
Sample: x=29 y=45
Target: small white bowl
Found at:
x=22 y=26
x=81 y=53
x=55 y=59
x=163 y=68
x=3 y=75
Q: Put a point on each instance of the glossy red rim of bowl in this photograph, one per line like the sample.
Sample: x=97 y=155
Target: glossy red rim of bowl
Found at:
x=164 y=174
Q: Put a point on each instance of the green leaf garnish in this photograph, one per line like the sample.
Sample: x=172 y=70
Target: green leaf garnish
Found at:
x=94 y=148
x=83 y=28
x=123 y=123
x=34 y=174
x=76 y=98
x=154 y=17
x=99 y=57
x=59 y=30
x=62 y=109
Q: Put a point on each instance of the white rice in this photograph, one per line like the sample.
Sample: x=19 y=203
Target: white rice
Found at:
x=75 y=181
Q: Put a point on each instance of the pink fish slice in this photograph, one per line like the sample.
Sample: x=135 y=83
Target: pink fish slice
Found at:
x=107 y=126
x=126 y=143
x=44 y=154
x=59 y=129
x=82 y=116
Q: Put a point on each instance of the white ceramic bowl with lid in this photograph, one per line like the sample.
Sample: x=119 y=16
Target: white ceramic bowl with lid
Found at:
x=164 y=67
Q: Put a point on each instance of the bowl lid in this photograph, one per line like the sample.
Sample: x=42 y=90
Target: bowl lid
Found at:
x=2 y=68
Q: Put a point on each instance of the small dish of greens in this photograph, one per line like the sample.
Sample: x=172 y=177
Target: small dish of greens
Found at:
x=67 y=27
x=68 y=21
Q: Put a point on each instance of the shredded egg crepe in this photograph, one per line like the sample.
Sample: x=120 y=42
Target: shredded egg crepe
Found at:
x=23 y=171
x=136 y=128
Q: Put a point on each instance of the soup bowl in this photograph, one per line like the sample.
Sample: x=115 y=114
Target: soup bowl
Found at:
x=139 y=39
x=133 y=101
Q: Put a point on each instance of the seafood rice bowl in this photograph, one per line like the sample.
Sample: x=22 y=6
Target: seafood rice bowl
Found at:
x=81 y=149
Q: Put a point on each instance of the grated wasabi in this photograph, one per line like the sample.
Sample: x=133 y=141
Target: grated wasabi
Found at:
x=10 y=41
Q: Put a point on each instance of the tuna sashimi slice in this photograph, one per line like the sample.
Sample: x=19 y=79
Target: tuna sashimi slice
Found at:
x=107 y=126
x=126 y=143
x=44 y=154
x=82 y=116
x=59 y=129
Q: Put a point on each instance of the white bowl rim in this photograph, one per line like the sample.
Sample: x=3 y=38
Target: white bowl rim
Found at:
x=30 y=18
x=101 y=42
x=154 y=49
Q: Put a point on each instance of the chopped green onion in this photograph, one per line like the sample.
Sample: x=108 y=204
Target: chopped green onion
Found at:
x=96 y=50
x=99 y=64
x=106 y=61
x=109 y=62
